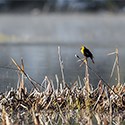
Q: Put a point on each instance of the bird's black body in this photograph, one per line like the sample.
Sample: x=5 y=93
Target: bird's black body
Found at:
x=86 y=52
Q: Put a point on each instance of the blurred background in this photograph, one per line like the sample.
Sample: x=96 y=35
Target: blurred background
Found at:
x=33 y=29
x=61 y=5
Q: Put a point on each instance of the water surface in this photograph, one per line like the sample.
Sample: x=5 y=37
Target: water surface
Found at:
x=42 y=60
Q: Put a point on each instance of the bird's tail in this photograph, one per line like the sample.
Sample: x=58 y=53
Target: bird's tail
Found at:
x=92 y=60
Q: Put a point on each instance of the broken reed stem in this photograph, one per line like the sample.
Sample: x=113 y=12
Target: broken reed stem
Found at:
x=61 y=66
x=118 y=67
x=26 y=75
x=21 y=80
x=87 y=83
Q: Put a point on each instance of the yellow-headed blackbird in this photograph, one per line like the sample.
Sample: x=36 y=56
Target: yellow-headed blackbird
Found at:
x=86 y=52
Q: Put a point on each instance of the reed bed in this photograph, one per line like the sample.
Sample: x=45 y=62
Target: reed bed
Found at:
x=58 y=103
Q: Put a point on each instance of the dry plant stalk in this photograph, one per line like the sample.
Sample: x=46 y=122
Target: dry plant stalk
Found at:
x=21 y=88
x=87 y=82
x=5 y=118
x=87 y=87
x=98 y=118
x=110 y=112
x=118 y=67
x=61 y=66
x=35 y=118
x=22 y=76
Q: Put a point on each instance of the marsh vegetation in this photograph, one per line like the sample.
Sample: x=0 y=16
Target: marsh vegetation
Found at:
x=50 y=103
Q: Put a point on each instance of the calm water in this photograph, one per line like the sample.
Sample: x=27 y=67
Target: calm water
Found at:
x=42 y=60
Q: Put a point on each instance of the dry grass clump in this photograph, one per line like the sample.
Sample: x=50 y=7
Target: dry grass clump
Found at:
x=49 y=105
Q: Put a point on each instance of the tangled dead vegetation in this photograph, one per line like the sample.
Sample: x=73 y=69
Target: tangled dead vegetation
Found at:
x=46 y=104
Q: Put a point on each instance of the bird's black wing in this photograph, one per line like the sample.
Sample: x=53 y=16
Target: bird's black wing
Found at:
x=88 y=53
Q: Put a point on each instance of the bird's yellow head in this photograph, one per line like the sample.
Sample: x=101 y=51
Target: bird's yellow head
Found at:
x=82 y=49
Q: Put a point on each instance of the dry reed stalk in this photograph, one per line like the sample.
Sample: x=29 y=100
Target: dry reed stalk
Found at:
x=61 y=67
x=41 y=121
x=97 y=118
x=22 y=75
x=89 y=116
x=57 y=82
x=110 y=112
x=105 y=121
x=49 y=104
x=118 y=120
x=48 y=87
x=22 y=90
x=116 y=64
x=53 y=88
x=44 y=83
x=35 y=118
x=100 y=91
x=87 y=82
x=5 y=118
x=90 y=121
x=118 y=67
x=79 y=81
x=113 y=68
x=87 y=87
